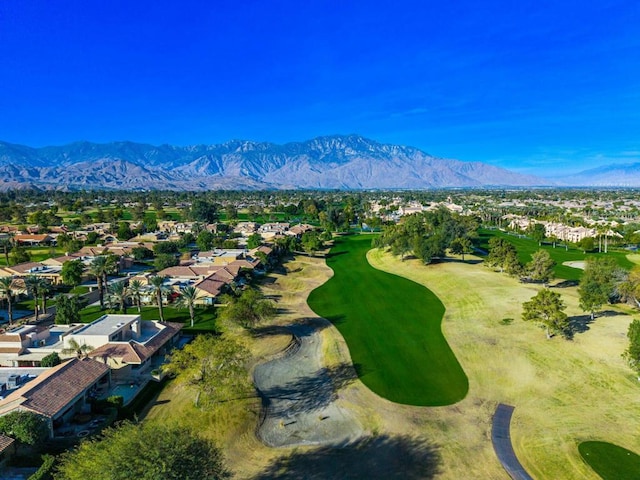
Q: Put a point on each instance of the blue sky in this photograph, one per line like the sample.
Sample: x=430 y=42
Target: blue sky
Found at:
x=536 y=86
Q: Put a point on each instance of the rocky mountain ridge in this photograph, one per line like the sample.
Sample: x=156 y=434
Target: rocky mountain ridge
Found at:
x=330 y=162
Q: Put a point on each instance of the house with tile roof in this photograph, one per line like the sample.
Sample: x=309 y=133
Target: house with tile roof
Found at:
x=128 y=345
x=61 y=392
x=7 y=449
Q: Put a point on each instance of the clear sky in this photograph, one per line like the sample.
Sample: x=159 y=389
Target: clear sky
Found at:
x=535 y=86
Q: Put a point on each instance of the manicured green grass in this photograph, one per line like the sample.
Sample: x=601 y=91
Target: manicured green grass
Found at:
x=392 y=327
x=526 y=247
x=204 y=320
x=610 y=461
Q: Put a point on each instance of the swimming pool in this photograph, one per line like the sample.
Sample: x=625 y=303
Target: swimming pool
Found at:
x=127 y=392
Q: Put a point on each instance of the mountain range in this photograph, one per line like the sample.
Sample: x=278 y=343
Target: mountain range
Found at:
x=330 y=162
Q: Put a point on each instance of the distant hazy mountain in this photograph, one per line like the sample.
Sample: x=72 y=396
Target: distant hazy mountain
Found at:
x=340 y=161
x=615 y=175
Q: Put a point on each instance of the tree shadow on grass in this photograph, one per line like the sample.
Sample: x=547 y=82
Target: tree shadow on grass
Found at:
x=384 y=457
x=308 y=393
x=580 y=323
x=565 y=284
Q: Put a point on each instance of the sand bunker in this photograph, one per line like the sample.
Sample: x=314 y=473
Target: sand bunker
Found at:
x=299 y=395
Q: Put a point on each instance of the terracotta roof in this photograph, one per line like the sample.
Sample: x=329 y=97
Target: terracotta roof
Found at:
x=134 y=352
x=210 y=286
x=24 y=267
x=122 y=351
x=186 y=271
x=17 y=350
x=55 y=389
x=245 y=264
x=33 y=238
x=5 y=442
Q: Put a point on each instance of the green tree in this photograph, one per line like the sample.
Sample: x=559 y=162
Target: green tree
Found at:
x=25 y=426
x=6 y=245
x=166 y=248
x=159 y=291
x=118 y=295
x=501 y=253
x=587 y=244
x=248 y=309
x=311 y=242
x=71 y=272
x=135 y=291
x=147 y=451
x=165 y=260
x=67 y=309
x=632 y=353
x=461 y=246
x=20 y=255
x=203 y=211
x=597 y=284
x=537 y=232
x=215 y=366
x=547 y=309
x=254 y=241
x=124 y=231
x=99 y=268
x=204 y=241
x=50 y=360
x=7 y=287
x=187 y=299
x=37 y=287
x=141 y=253
x=540 y=269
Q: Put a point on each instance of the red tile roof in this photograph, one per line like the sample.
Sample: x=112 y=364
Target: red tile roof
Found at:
x=54 y=390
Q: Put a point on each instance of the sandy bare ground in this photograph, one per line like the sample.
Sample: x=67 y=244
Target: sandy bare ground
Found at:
x=575 y=264
x=299 y=394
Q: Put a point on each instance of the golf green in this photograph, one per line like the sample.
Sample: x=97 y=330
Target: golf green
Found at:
x=610 y=461
x=392 y=328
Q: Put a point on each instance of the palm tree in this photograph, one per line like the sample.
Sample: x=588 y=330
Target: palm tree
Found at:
x=118 y=294
x=188 y=297
x=45 y=287
x=135 y=291
x=6 y=288
x=75 y=347
x=159 y=290
x=32 y=284
x=6 y=246
x=97 y=268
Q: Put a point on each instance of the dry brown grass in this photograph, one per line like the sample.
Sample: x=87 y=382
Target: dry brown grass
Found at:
x=564 y=391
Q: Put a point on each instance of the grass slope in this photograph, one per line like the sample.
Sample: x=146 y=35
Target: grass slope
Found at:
x=526 y=247
x=392 y=327
x=564 y=392
x=610 y=461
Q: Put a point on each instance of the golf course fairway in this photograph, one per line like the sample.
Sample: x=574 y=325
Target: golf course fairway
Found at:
x=392 y=328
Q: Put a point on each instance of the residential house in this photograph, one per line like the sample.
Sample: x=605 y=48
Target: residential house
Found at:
x=61 y=392
x=7 y=450
x=33 y=240
x=39 y=269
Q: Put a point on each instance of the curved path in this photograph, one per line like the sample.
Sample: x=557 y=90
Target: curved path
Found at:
x=299 y=395
x=501 y=439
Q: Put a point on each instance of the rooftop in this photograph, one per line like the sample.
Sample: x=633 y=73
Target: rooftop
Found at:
x=107 y=324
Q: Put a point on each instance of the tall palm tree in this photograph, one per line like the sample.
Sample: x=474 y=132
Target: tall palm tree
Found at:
x=159 y=290
x=118 y=294
x=97 y=268
x=188 y=297
x=6 y=246
x=45 y=288
x=135 y=291
x=32 y=284
x=6 y=289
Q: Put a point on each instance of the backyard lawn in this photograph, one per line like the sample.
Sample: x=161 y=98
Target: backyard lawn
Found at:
x=610 y=461
x=205 y=318
x=526 y=247
x=392 y=327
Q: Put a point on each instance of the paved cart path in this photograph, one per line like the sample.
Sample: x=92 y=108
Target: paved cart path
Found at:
x=501 y=439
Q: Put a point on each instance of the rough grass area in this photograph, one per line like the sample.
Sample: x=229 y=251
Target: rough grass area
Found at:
x=392 y=327
x=564 y=391
x=526 y=247
x=610 y=461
